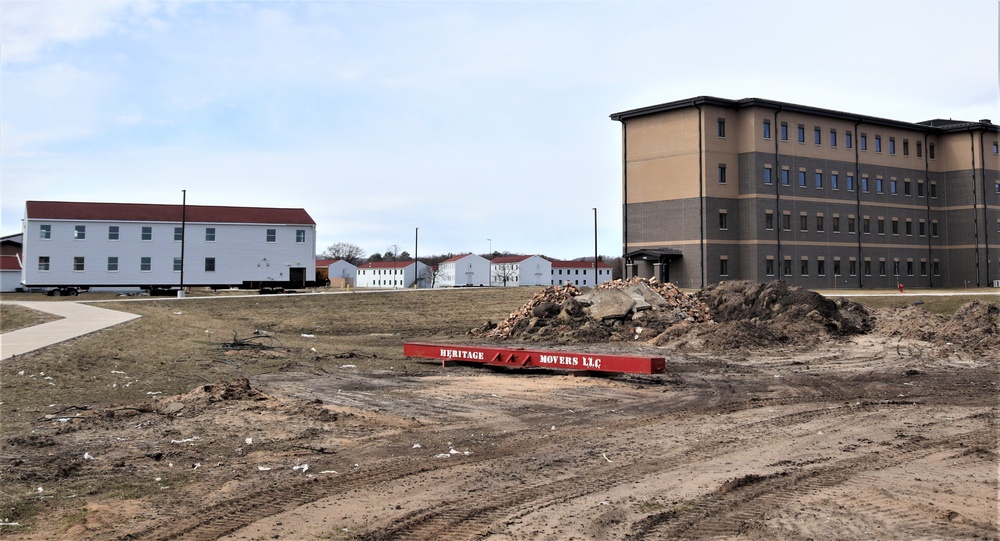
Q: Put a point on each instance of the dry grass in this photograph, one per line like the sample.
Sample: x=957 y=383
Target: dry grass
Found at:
x=13 y=317
x=176 y=345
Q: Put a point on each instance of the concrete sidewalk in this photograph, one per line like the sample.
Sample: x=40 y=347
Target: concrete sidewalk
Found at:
x=78 y=319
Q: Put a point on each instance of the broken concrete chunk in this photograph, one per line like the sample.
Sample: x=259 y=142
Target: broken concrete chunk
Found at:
x=611 y=304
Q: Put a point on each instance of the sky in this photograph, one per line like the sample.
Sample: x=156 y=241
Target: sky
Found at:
x=464 y=126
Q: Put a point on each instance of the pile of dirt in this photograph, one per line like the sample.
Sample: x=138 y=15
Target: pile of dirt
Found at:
x=726 y=316
x=732 y=315
x=636 y=309
x=909 y=322
x=974 y=327
x=237 y=389
x=756 y=315
x=778 y=304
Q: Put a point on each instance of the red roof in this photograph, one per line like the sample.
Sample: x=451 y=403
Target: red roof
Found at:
x=10 y=262
x=579 y=264
x=510 y=259
x=456 y=258
x=387 y=265
x=325 y=262
x=141 y=212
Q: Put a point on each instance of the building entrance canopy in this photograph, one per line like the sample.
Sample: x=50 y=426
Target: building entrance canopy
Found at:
x=651 y=263
x=654 y=254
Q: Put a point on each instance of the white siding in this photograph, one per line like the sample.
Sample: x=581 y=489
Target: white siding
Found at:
x=343 y=269
x=582 y=275
x=10 y=280
x=387 y=277
x=469 y=270
x=241 y=253
x=531 y=271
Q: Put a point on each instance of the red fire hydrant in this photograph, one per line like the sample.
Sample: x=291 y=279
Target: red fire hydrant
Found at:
x=901 y=287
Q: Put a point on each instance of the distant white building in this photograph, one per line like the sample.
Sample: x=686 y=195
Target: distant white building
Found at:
x=520 y=270
x=339 y=272
x=10 y=263
x=390 y=274
x=10 y=273
x=579 y=273
x=83 y=245
x=463 y=270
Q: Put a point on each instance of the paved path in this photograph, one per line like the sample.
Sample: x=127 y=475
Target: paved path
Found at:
x=78 y=319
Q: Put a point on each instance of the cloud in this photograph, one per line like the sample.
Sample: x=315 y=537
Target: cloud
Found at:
x=29 y=28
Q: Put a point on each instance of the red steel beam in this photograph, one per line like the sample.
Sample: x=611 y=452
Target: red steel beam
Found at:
x=526 y=358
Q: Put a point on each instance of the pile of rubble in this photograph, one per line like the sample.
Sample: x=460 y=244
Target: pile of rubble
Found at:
x=636 y=309
x=727 y=316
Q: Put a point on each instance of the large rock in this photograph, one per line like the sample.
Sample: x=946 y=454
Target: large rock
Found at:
x=645 y=297
x=610 y=304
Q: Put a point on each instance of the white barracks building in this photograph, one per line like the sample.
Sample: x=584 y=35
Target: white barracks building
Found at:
x=83 y=245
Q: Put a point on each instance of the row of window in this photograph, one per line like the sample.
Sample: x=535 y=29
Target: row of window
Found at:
x=822 y=180
x=893 y=186
x=363 y=272
x=577 y=271
x=576 y=282
x=835 y=223
x=145 y=264
x=146 y=233
x=832 y=139
x=820 y=267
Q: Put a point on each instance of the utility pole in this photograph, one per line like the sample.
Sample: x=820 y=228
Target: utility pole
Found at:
x=180 y=292
x=596 y=281
x=416 y=267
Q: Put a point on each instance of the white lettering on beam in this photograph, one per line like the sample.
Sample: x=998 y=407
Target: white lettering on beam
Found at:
x=462 y=354
x=562 y=360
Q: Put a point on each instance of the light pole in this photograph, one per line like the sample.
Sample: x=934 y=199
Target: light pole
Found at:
x=416 y=268
x=596 y=281
x=490 y=255
x=180 y=292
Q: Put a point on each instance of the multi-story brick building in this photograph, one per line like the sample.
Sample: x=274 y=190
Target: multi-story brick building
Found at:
x=717 y=189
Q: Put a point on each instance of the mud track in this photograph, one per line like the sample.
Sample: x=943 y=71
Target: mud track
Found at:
x=869 y=444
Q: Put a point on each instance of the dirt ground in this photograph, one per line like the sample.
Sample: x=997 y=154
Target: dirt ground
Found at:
x=154 y=430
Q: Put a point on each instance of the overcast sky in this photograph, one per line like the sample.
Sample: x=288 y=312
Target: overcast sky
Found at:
x=467 y=120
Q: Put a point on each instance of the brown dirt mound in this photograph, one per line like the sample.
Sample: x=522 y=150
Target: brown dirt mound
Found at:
x=237 y=389
x=909 y=322
x=975 y=326
x=784 y=305
x=752 y=316
x=739 y=315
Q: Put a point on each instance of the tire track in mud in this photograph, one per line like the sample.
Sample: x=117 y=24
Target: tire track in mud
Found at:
x=226 y=517
x=476 y=516
x=485 y=513
x=741 y=504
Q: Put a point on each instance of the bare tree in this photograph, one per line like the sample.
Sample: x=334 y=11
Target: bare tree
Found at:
x=503 y=273
x=431 y=274
x=346 y=251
